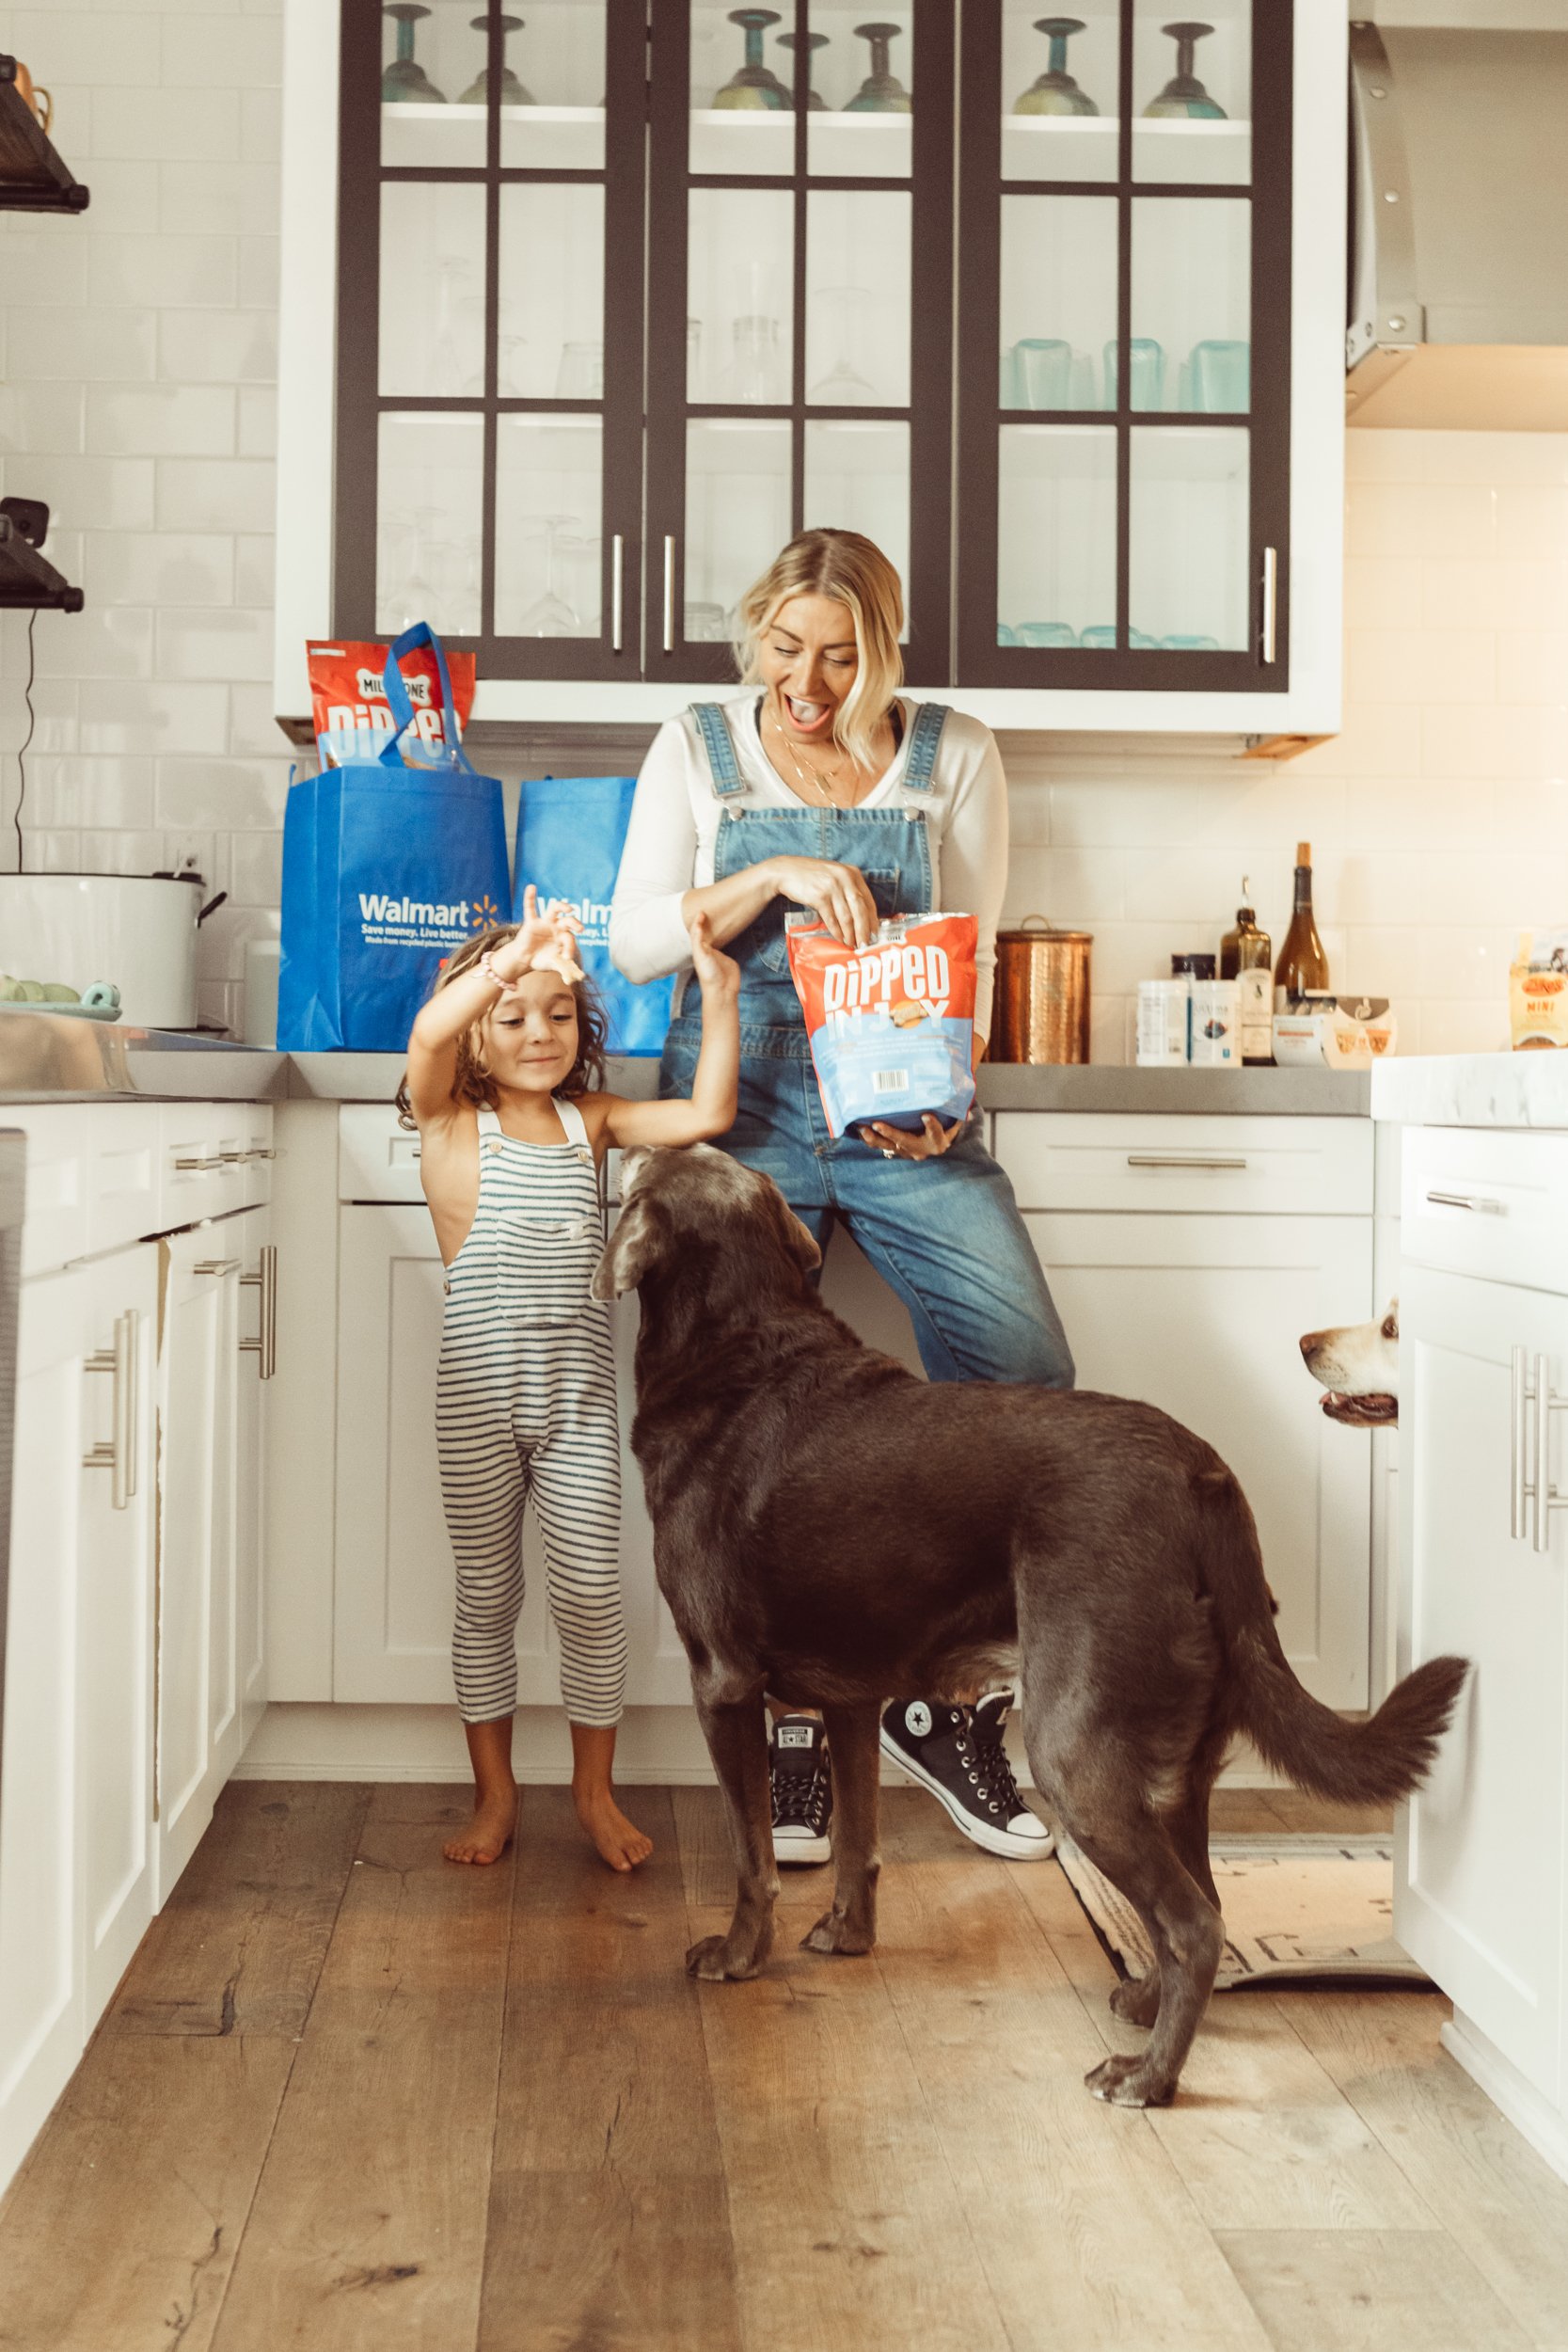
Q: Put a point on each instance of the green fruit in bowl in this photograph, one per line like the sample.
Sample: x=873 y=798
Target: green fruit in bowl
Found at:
x=58 y=992
x=29 y=991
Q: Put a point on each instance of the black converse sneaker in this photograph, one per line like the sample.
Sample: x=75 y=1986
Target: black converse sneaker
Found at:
x=957 y=1754
x=802 y=1790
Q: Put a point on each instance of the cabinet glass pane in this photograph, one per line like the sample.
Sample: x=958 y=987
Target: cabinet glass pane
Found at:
x=857 y=299
x=1060 y=79
x=429 y=494
x=550 y=313
x=1191 y=93
x=429 y=58
x=431 y=307
x=1192 y=303
x=1058 y=299
x=739 y=296
x=858 y=479
x=552 y=107
x=1191 y=499
x=742 y=113
x=863 y=69
x=736 y=513
x=1056 y=535
x=549 y=497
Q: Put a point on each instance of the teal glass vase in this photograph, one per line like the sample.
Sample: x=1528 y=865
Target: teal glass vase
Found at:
x=512 y=90
x=881 y=92
x=814 y=101
x=404 y=82
x=1184 y=94
x=1057 y=92
x=754 y=85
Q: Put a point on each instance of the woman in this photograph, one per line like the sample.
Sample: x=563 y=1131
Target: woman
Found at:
x=820 y=787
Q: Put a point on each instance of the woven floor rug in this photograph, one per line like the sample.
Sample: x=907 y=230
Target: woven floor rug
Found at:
x=1297 y=1909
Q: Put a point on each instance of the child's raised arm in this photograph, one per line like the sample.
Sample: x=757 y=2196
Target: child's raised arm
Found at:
x=455 y=1008
x=715 y=1088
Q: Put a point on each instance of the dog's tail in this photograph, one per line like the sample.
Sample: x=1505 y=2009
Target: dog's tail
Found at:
x=1375 y=1762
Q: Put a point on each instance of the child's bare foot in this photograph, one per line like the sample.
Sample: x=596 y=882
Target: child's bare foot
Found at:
x=489 y=1833
x=621 y=1843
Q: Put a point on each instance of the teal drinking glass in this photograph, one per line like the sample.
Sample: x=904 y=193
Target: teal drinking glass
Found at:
x=1184 y=94
x=1055 y=92
x=1004 y=636
x=405 y=81
x=881 y=92
x=1101 y=639
x=1221 y=378
x=1043 y=366
x=1045 y=633
x=1191 y=645
x=815 y=100
x=1146 y=372
x=754 y=85
x=512 y=91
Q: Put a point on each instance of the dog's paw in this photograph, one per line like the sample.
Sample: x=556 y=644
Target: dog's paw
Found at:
x=715 y=1964
x=1129 y=2082
x=1137 y=1999
x=833 y=1934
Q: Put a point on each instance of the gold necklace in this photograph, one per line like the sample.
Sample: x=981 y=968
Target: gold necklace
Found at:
x=808 y=775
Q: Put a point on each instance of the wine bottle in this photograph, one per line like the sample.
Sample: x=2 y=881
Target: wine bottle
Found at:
x=1302 y=965
x=1245 y=955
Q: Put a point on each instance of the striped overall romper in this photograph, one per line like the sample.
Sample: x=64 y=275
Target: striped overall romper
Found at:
x=525 y=1404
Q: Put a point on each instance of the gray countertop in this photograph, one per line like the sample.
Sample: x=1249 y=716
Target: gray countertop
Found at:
x=56 y=1057
x=1499 y=1089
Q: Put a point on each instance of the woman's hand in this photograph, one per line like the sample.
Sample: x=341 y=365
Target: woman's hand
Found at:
x=839 y=893
x=718 y=975
x=896 y=1143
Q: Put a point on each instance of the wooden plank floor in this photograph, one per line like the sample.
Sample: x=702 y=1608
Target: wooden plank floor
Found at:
x=349 y=2096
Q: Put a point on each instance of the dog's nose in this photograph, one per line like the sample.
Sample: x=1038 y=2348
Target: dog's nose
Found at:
x=1310 y=1346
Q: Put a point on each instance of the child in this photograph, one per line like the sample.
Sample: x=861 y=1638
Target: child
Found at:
x=502 y=1070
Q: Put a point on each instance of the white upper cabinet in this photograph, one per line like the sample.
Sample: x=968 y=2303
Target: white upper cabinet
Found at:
x=623 y=295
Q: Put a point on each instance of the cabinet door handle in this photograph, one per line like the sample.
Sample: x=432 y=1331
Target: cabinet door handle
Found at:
x=1271 y=604
x=669 y=593
x=1176 y=1159
x=200 y=1167
x=215 y=1265
x=261 y=1152
x=617 y=582
x=265 y=1280
x=1479 y=1200
x=1518 y=1484
x=118 y=1455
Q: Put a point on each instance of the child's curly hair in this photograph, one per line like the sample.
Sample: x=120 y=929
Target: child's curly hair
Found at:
x=473 y=1082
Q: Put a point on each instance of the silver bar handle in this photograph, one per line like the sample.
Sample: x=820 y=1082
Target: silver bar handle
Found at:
x=263 y=1152
x=669 y=593
x=1271 y=604
x=215 y=1265
x=116 y=1457
x=265 y=1280
x=1176 y=1159
x=1479 y=1200
x=198 y=1165
x=1542 y=1456
x=617 y=582
x=1518 y=1483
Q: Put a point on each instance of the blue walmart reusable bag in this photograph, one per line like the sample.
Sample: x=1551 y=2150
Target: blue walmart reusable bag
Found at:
x=571 y=831
x=387 y=870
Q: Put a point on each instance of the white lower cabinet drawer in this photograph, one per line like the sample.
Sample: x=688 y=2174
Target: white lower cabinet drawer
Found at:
x=1212 y=1166
x=1486 y=1202
x=201 y=1161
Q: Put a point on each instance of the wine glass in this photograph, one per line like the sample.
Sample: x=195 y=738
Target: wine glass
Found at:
x=414 y=542
x=1184 y=94
x=814 y=101
x=512 y=91
x=404 y=81
x=550 y=615
x=881 y=92
x=754 y=85
x=1055 y=92
x=580 y=373
x=756 y=372
x=844 y=387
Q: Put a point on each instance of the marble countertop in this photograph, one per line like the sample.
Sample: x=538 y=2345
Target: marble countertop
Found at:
x=1473 y=1091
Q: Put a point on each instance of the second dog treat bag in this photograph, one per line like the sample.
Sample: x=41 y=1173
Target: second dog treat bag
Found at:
x=891 y=1024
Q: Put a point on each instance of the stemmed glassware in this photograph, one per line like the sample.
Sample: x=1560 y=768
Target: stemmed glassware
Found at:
x=881 y=92
x=404 y=81
x=1184 y=94
x=512 y=91
x=754 y=85
x=550 y=615
x=815 y=100
x=1055 y=92
x=757 y=373
x=844 y=387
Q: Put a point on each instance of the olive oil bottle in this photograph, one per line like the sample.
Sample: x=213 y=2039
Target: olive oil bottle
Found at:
x=1245 y=955
x=1302 y=966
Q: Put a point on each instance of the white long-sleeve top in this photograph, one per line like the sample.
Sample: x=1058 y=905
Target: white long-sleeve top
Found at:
x=674 y=825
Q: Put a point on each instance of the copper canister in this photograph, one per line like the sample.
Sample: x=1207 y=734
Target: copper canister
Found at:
x=1042 y=995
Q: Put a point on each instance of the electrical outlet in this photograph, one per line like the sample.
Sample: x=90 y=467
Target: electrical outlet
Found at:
x=189 y=854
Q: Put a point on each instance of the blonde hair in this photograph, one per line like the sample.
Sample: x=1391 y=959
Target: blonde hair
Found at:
x=855 y=573
x=473 y=1082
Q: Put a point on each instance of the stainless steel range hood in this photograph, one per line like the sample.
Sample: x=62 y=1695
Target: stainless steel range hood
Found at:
x=1459 y=228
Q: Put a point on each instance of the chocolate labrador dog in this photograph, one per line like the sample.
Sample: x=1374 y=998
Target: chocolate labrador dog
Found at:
x=837 y=1533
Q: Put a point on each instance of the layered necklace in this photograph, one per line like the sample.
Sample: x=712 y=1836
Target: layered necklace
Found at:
x=810 y=775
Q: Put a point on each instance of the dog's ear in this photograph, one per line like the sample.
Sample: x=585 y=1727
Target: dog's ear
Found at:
x=806 y=1252
x=632 y=1249
x=1391 y=1321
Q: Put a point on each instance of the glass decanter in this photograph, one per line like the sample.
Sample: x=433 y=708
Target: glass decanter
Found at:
x=1184 y=94
x=1057 y=92
x=404 y=81
x=757 y=373
x=550 y=615
x=844 y=387
x=881 y=92
x=512 y=91
x=815 y=100
x=754 y=85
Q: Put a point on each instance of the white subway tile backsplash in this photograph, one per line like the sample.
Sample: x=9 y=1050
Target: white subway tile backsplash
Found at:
x=218 y=347
x=93 y=46
x=51 y=850
x=126 y=192
x=1457 y=592
x=1532 y=519
x=258 y=421
x=126 y=715
x=102 y=642
x=81 y=345
x=1067 y=886
x=215 y=494
x=261 y=126
x=1420 y=519
x=225 y=794
x=175 y=272
x=85 y=493
x=256 y=868
x=115 y=792
x=1420 y=665
x=120 y=853
x=198 y=126
x=162 y=419
x=232 y=198
x=159 y=567
x=46 y=263
x=254 y=568
x=213 y=642
x=253 y=728
x=217 y=53
x=1504 y=741
x=1532 y=665
x=258 y=259
x=36 y=419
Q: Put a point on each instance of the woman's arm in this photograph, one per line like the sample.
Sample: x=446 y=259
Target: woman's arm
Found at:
x=710 y=1111
x=975 y=869
x=647 y=927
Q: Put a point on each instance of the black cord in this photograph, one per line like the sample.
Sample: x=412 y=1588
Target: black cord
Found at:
x=22 y=755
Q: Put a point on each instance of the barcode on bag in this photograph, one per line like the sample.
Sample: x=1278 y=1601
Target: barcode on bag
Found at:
x=890 y=1081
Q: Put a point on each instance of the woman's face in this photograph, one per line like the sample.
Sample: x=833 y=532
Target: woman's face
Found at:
x=809 y=661
x=529 y=1038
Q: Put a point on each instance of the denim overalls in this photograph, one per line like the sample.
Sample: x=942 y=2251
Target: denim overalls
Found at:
x=944 y=1234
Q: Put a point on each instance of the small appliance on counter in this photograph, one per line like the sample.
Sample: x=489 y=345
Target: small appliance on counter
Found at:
x=134 y=931
x=1042 y=995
